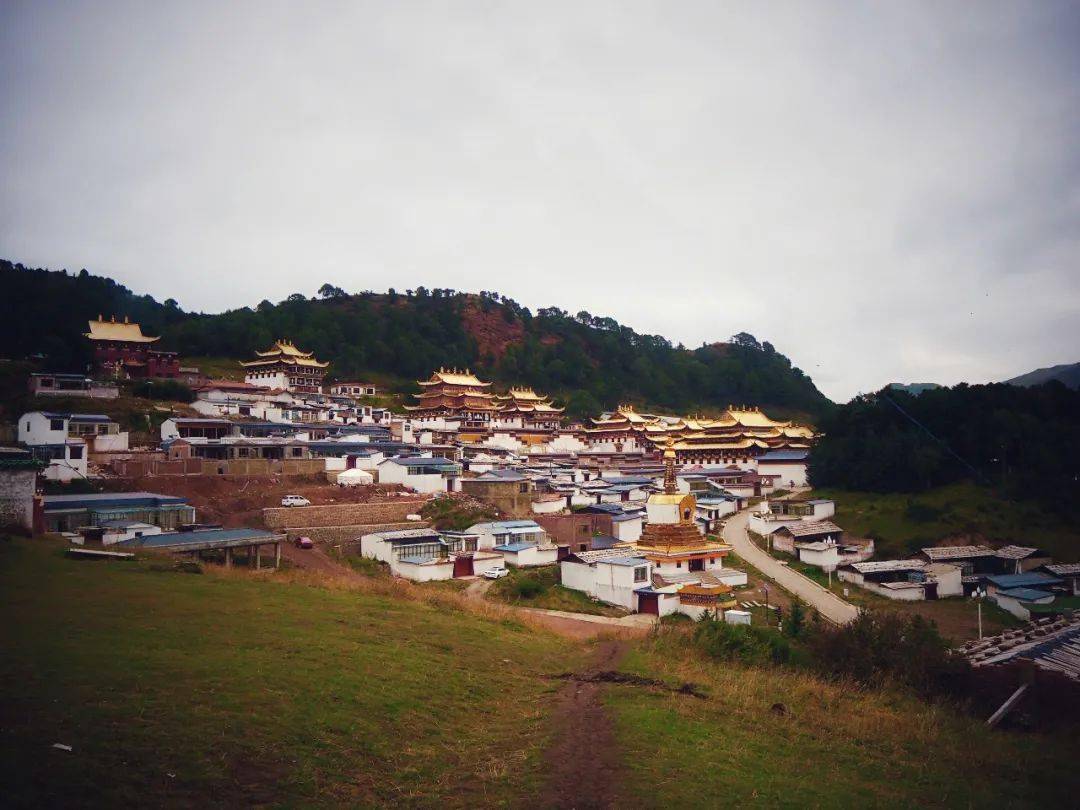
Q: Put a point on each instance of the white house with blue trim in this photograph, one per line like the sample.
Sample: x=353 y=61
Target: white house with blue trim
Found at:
x=428 y=474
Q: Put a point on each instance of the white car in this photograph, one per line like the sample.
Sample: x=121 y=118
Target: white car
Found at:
x=495 y=573
x=295 y=500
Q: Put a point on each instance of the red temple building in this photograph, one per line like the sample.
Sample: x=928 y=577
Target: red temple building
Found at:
x=121 y=350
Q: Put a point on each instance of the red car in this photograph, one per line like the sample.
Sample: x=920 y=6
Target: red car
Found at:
x=303 y=542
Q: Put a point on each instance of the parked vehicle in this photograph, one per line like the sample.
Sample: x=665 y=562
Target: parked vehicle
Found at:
x=496 y=573
x=303 y=542
x=295 y=500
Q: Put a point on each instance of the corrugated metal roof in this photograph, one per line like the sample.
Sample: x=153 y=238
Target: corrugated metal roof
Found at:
x=514 y=548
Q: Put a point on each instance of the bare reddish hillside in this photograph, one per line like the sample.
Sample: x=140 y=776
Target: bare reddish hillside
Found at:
x=491 y=331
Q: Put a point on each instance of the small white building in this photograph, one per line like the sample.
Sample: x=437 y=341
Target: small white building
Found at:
x=47 y=436
x=626 y=527
x=510 y=532
x=905 y=580
x=822 y=554
x=424 y=555
x=610 y=575
x=789 y=465
x=528 y=555
x=422 y=473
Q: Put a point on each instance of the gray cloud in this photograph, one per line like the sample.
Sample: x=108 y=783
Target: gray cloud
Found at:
x=886 y=192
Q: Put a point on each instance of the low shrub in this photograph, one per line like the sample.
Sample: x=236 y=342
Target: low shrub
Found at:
x=171 y=390
x=755 y=645
x=527 y=588
x=881 y=647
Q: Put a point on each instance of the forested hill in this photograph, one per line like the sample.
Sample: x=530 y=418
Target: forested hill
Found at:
x=589 y=362
x=1026 y=440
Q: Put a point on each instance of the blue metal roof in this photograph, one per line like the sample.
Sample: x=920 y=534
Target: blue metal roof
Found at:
x=211 y=536
x=113 y=500
x=627 y=561
x=611 y=508
x=784 y=455
x=420 y=560
x=514 y=524
x=77 y=417
x=625 y=516
x=422 y=461
x=1009 y=581
x=515 y=547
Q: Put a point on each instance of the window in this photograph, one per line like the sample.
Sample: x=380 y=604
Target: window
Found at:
x=523 y=487
x=640 y=573
x=678 y=564
x=76 y=451
x=54 y=424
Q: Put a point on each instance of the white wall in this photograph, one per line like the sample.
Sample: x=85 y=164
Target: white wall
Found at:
x=626 y=531
x=36 y=428
x=531 y=557
x=826 y=560
x=428 y=572
x=548 y=507
x=110 y=443
x=788 y=473
x=67 y=469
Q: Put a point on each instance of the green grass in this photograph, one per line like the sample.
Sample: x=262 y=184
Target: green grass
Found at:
x=217 y=368
x=902 y=524
x=834 y=746
x=457 y=514
x=229 y=689
x=549 y=595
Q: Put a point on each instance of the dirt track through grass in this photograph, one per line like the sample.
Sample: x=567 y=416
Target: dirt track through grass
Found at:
x=582 y=762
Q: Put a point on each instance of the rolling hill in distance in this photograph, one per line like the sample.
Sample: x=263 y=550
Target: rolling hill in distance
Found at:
x=1068 y=374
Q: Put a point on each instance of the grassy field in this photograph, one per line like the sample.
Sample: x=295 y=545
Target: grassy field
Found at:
x=227 y=689
x=833 y=746
x=539 y=588
x=902 y=524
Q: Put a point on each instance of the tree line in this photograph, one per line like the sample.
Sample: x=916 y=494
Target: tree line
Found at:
x=1023 y=440
x=588 y=362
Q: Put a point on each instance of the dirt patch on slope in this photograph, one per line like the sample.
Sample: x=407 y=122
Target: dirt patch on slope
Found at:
x=491 y=331
x=238 y=501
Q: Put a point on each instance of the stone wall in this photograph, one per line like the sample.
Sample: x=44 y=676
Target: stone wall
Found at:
x=17 y=497
x=252 y=468
x=347 y=537
x=341 y=514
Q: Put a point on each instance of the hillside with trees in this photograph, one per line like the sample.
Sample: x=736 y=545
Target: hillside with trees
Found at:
x=1023 y=441
x=589 y=362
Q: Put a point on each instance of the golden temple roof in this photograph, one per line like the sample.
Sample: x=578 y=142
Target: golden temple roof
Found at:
x=454 y=377
x=128 y=332
x=286 y=352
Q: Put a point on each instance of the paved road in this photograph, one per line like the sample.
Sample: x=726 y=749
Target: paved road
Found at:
x=828 y=604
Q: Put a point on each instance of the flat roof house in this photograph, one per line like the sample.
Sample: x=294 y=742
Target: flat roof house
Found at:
x=68 y=513
x=422 y=473
x=424 y=554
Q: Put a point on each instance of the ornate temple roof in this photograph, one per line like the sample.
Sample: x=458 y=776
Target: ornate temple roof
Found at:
x=127 y=332
x=454 y=377
x=285 y=351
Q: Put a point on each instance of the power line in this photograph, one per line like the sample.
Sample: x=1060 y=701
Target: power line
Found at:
x=930 y=433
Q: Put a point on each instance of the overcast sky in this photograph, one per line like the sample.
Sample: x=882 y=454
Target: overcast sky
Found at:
x=885 y=191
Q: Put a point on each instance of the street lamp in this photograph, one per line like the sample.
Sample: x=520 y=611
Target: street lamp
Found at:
x=978 y=595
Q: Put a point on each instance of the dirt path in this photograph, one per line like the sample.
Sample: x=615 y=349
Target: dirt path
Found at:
x=582 y=763
x=316 y=559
